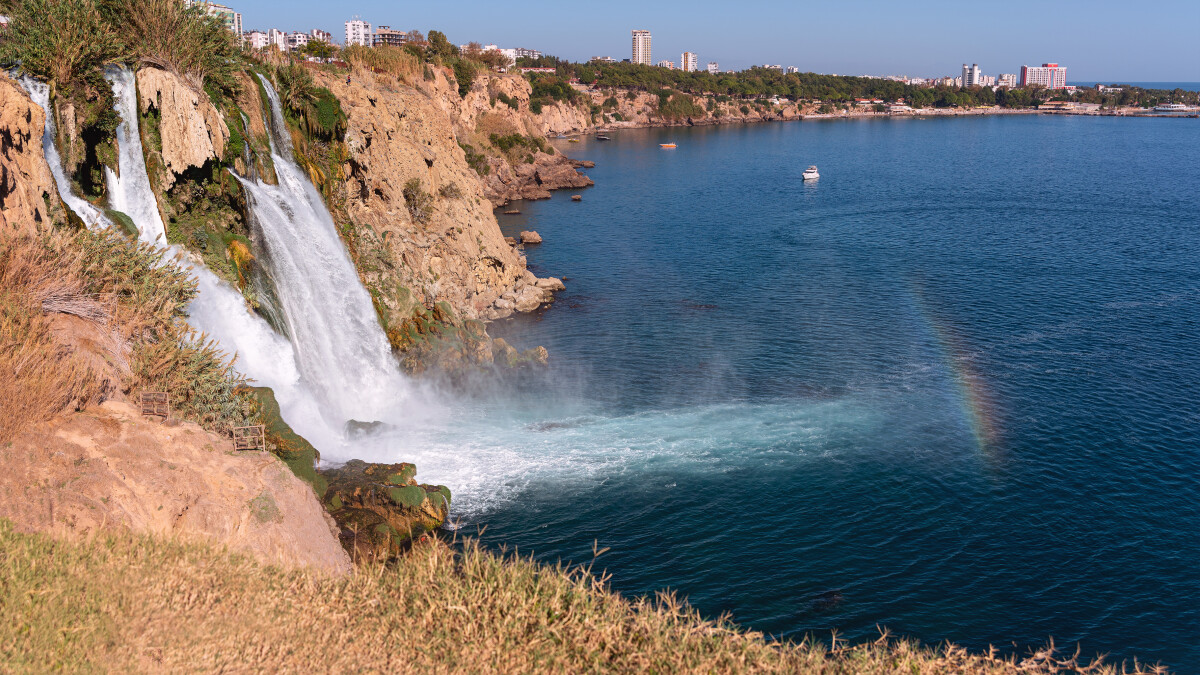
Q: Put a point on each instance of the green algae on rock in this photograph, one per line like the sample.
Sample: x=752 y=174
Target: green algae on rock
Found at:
x=380 y=508
x=300 y=455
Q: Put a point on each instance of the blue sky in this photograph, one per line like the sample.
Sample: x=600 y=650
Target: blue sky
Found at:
x=1150 y=40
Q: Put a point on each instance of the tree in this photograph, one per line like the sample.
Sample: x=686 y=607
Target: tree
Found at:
x=439 y=46
x=319 y=48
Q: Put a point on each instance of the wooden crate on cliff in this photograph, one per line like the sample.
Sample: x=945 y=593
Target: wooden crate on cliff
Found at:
x=156 y=404
x=250 y=438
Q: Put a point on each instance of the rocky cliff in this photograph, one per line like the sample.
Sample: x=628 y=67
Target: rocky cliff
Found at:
x=27 y=193
x=190 y=127
x=632 y=108
x=424 y=231
x=108 y=467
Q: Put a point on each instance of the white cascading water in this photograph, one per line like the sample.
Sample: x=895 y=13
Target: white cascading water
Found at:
x=128 y=188
x=340 y=347
x=89 y=214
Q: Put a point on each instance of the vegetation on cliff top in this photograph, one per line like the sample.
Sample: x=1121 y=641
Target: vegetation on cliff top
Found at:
x=124 y=603
x=132 y=305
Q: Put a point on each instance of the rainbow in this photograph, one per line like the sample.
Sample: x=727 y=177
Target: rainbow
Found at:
x=976 y=401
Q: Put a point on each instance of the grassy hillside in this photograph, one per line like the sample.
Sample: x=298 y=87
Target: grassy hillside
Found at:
x=126 y=603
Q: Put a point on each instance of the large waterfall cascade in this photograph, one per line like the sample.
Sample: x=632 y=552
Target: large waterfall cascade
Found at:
x=340 y=347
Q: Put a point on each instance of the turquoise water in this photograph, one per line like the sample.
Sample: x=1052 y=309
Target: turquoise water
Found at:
x=951 y=388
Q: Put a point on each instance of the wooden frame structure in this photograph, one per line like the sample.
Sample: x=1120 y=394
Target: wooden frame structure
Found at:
x=250 y=438
x=156 y=404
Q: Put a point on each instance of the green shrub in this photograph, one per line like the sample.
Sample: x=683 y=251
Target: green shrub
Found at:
x=419 y=202
x=508 y=101
x=57 y=40
x=475 y=160
x=464 y=74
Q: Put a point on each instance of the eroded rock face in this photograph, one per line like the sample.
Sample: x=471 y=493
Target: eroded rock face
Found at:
x=192 y=130
x=440 y=240
x=380 y=508
x=26 y=184
x=109 y=467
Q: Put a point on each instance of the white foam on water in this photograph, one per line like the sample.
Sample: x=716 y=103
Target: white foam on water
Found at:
x=89 y=214
x=129 y=189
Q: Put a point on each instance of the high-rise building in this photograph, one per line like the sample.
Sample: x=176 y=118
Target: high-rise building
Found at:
x=231 y=19
x=1007 y=80
x=689 y=62
x=322 y=35
x=792 y=69
x=972 y=76
x=277 y=38
x=641 y=47
x=358 y=32
x=713 y=67
x=385 y=36
x=1049 y=75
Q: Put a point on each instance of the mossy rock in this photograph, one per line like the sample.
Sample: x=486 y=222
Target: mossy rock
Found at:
x=404 y=475
x=123 y=221
x=409 y=497
x=300 y=455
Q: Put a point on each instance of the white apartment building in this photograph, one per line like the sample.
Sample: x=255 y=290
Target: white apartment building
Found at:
x=972 y=76
x=358 y=32
x=1049 y=75
x=1007 y=80
x=641 y=47
x=792 y=69
x=713 y=67
x=255 y=39
x=231 y=19
x=669 y=65
x=602 y=59
x=277 y=38
x=297 y=40
x=322 y=35
x=689 y=62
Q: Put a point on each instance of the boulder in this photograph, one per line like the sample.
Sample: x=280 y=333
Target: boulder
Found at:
x=529 y=298
x=551 y=284
x=530 y=237
x=380 y=508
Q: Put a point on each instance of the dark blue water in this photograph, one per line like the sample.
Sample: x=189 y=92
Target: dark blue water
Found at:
x=952 y=388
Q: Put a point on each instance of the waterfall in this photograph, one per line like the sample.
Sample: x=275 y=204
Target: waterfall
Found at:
x=340 y=347
x=129 y=190
x=89 y=214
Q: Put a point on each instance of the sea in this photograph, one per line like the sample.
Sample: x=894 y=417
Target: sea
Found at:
x=1169 y=86
x=950 y=389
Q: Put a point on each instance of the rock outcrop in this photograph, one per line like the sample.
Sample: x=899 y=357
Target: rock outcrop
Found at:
x=108 y=467
x=192 y=130
x=418 y=205
x=27 y=193
x=380 y=508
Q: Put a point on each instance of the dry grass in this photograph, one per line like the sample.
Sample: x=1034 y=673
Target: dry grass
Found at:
x=393 y=61
x=134 y=301
x=125 y=603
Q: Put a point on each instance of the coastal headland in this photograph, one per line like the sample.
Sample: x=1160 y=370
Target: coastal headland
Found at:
x=209 y=534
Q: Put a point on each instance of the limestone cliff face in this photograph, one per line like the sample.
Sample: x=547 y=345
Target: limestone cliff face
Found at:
x=410 y=192
x=26 y=184
x=109 y=467
x=192 y=130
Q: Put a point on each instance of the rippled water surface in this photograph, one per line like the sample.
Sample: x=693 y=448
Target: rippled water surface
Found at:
x=952 y=388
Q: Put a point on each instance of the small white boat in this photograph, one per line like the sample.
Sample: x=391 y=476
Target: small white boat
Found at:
x=811 y=173
x=1171 y=108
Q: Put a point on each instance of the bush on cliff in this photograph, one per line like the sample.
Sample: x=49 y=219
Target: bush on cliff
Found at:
x=129 y=304
x=122 y=603
x=58 y=40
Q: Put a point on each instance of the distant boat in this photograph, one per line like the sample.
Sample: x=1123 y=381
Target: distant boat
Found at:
x=810 y=173
x=666 y=146
x=1171 y=108
x=601 y=137
x=573 y=140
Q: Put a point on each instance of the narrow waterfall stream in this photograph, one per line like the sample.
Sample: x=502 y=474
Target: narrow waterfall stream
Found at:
x=89 y=214
x=129 y=189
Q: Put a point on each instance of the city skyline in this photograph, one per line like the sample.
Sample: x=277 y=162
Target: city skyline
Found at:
x=1099 y=39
